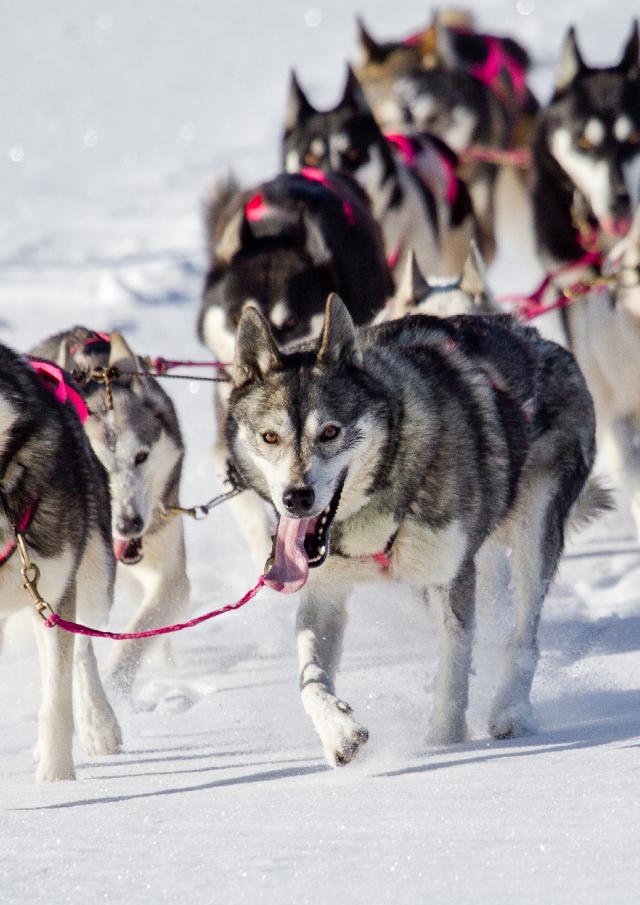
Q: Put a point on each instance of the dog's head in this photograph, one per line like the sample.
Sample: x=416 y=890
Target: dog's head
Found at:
x=467 y=294
x=301 y=426
x=345 y=138
x=592 y=130
x=275 y=259
x=138 y=443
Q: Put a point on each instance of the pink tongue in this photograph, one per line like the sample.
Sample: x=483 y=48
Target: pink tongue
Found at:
x=290 y=570
x=119 y=547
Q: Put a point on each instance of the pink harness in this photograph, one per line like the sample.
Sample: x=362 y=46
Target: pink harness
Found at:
x=528 y=307
x=497 y=62
x=257 y=208
x=52 y=378
x=10 y=547
x=411 y=154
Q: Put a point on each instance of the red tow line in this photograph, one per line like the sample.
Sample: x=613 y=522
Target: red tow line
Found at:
x=528 y=307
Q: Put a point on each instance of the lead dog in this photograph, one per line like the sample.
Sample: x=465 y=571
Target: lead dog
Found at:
x=54 y=489
x=399 y=450
x=139 y=444
x=416 y=195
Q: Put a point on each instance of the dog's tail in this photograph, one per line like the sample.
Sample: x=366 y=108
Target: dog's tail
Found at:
x=595 y=499
x=225 y=188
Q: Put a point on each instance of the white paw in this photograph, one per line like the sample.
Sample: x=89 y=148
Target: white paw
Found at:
x=342 y=738
x=512 y=721
x=447 y=731
x=55 y=769
x=101 y=736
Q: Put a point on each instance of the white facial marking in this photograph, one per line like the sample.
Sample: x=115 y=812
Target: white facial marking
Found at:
x=592 y=177
x=340 y=142
x=292 y=162
x=594 y=132
x=279 y=314
x=460 y=129
x=217 y=336
x=371 y=174
x=622 y=128
x=318 y=147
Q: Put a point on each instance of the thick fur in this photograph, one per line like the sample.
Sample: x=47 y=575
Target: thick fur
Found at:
x=586 y=155
x=140 y=446
x=426 y=83
x=45 y=456
x=409 y=201
x=309 y=239
x=445 y=434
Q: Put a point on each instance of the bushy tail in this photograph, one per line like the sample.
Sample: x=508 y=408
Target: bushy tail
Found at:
x=595 y=499
x=224 y=189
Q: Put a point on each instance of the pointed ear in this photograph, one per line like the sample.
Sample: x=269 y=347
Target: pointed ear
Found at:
x=370 y=50
x=571 y=64
x=353 y=96
x=120 y=354
x=631 y=52
x=474 y=278
x=256 y=350
x=338 y=339
x=445 y=51
x=231 y=241
x=298 y=106
x=412 y=289
x=312 y=239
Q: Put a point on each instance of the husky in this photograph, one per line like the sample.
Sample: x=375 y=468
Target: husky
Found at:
x=54 y=490
x=468 y=88
x=416 y=194
x=586 y=155
x=468 y=294
x=284 y=245
x=396 y=452
x=138 y=442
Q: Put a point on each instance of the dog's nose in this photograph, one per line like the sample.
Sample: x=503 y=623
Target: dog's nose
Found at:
x=298 y=500
x=130 y=526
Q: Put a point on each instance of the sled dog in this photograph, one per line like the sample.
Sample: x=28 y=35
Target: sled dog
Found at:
x=139 y=444
x=396 y=451
x=55 y=492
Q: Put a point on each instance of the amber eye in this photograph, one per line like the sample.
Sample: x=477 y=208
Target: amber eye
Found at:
x=634 y=138
x=311 y=160
x=584 y=143
x=291 y=323
x=352 y=154
x=330 y=432
x=141 y=457
x=271 y=438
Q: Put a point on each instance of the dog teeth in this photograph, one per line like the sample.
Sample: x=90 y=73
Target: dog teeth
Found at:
x=323 y=520
x=322 y=550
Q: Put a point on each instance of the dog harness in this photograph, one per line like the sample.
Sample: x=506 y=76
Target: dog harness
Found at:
x=257 y=207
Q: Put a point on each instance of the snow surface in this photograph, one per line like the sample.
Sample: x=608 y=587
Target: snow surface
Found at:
x=115 y=117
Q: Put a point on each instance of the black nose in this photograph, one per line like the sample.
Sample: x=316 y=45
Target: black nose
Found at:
x=130 y=526
x=622 y=203
x=298 y=500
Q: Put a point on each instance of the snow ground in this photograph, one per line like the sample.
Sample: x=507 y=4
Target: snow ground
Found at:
x=115 y=117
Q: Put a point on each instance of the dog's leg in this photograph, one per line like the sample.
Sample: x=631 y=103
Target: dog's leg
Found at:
x=454 y=608
x=98 y=726
x=162 y=573
x=320 y=628
x=536 y=536
x=625 y=433
x=54 y=752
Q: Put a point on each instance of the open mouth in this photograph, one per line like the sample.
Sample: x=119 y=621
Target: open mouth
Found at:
x=128 y=552
x=300 y=544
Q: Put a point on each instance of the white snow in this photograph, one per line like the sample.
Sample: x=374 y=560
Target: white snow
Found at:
x=115 y=118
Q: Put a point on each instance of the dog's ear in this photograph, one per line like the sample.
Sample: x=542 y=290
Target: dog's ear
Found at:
x=311 y=239
x=256 y=350
x=338 y=339
x=298 y=106
x=412 y=289
x=474 y=278
x=445 y=51
x=370 y=50
x=120 y=354
x=353 y=97
x=631 y=53
x=234 y=236
x=571 y=64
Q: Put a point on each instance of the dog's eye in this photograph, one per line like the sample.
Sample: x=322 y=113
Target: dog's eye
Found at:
x=584 y=143
x=271 y=438
x=141 y=457
x=352 y=154
x=634 y=138
x=311 y=160
x=330 y=432
x=291 y=323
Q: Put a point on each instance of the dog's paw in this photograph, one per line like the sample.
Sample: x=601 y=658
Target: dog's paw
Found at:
x=512 y=722
x=55 y=769
x=447 y=732
x=102 y=737
x=342 y=737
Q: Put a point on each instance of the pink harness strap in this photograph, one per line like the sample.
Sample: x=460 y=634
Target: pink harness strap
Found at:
x=497 y=62
x=96 y=337
x=53 y=379
x=316 y=175
x=531 y=306
x=256 y=208
x=10 y=547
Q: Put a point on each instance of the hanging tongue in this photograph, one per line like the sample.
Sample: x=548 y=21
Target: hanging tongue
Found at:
x=290 y=569
x=120 y=547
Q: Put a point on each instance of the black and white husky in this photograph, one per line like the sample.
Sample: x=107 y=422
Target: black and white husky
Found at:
x=139 y=443
x=398 y=451
x=416 y=194
x=587 y=185
x=55 y=491
x=283 y=245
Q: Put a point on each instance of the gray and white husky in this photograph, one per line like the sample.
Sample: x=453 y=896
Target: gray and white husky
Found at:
x=55 y=490
x=397 y=451
x=140 y=445
x=469 y=293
